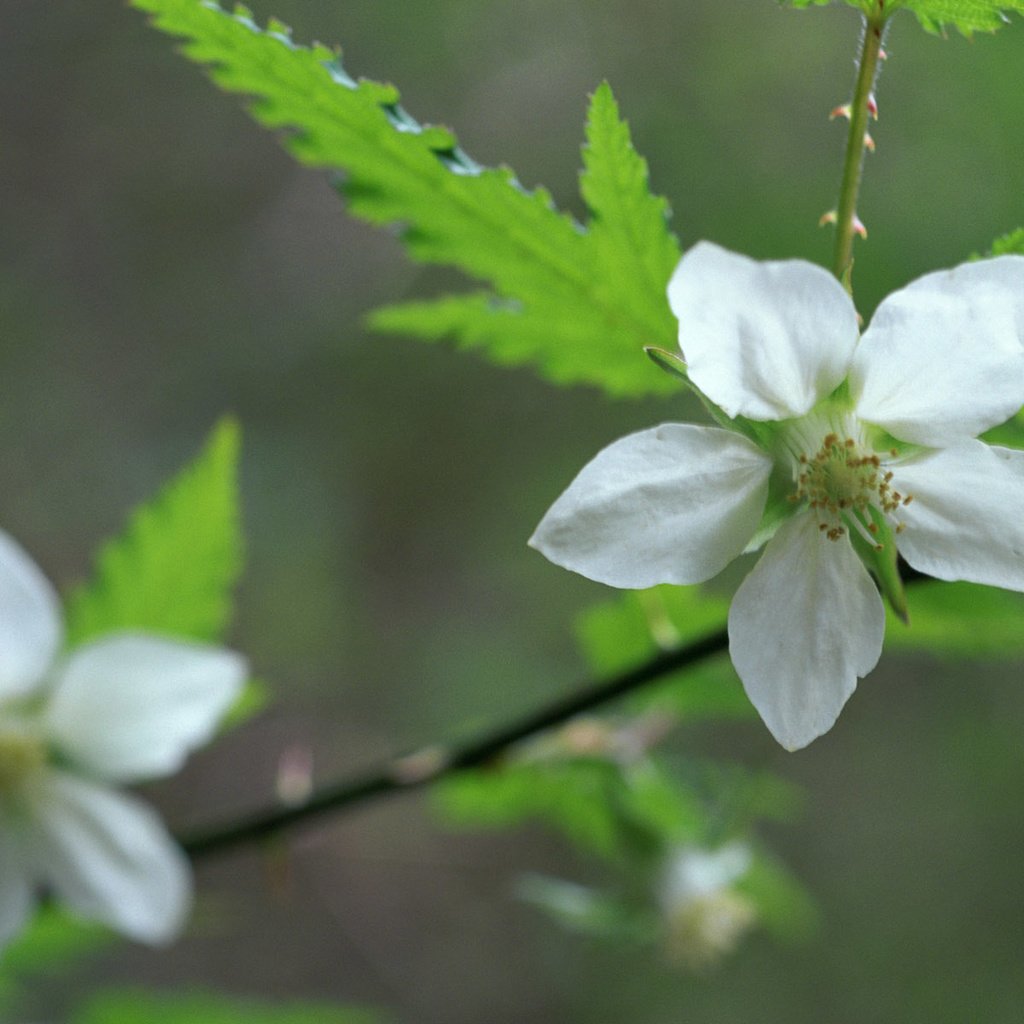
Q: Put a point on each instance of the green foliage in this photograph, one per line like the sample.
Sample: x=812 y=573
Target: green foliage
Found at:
x=784 y=906
x=635 y=625
x=965 y=15
x=195 y=1008
x=43 y=948
x=172 y=568
x=962 y=620
x=968 y=16
x=617 y=812
x=628 y=247
x=579 y=305
x=1010 y=244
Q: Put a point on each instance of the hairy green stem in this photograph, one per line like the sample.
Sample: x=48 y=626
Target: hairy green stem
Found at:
x=853 y=164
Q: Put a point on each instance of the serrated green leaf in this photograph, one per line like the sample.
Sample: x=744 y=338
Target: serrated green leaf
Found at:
x=962 y=620
x=967 y=16
x=120 y=1007
x=579 y=305
x=173 y=567
x=635 y=625
x=632 y=251
x=482 y=321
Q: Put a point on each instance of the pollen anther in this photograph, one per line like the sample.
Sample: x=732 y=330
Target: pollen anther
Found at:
x=842 y=483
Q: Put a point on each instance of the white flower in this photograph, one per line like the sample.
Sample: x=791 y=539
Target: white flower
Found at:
x=837 y=446
x=704 y=915
x=121 y=709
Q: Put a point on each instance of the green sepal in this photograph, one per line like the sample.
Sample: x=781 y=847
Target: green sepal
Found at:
x=777 y=509
x=675 y=366
x=672 y=364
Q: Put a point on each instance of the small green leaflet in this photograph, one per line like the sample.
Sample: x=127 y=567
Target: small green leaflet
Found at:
x=967 y=16
x=173 y=567
x=578 y=304
x=134 y=1007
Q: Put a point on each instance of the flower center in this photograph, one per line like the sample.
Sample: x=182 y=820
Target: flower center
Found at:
x=703 y=929
x=842 y=483
x=22 y=754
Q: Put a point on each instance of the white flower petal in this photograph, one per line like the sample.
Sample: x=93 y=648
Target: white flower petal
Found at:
x=131 y=707
x=762 y=340
x=966 y=520
x=674 y=504
x=15 y=885
x=30 y=621
x=108 y=857
x=943 y=359
x=803 y=626
x=694 y=872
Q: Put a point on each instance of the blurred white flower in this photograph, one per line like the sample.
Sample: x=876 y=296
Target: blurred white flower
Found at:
x=705 y=917
x=834 y=445
x=122 y=709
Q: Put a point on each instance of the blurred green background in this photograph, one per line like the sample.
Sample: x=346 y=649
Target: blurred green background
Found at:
x=164 y=261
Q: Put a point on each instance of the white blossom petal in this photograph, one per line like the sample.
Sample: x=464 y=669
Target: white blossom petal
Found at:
x=966 y=520
x=131 y=707
x=803 y=626
x=30 y=621
x=762 y=340
x=674 y=504
x=943 y=359
x=108 y=857
x=694 y=872
x=15 y=885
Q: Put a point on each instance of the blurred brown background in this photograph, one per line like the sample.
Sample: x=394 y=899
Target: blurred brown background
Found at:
x=164 y=261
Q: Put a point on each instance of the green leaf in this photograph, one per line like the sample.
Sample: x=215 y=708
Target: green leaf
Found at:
x=173 y=567
x=630 y=249
x=1010 y=244
x=963 y=620
x=636 y=625
x=149 y=1008
x=613 y=811
x=967 y=16
x=52 y=940
x=784 y=907
x=480 y=321
x=579 y=305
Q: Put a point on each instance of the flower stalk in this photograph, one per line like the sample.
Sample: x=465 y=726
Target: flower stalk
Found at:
x=861 y=108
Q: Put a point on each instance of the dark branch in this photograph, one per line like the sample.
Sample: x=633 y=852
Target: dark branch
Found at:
x=433 y=763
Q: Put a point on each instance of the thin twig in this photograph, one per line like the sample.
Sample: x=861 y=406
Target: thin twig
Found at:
x=433 y=763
